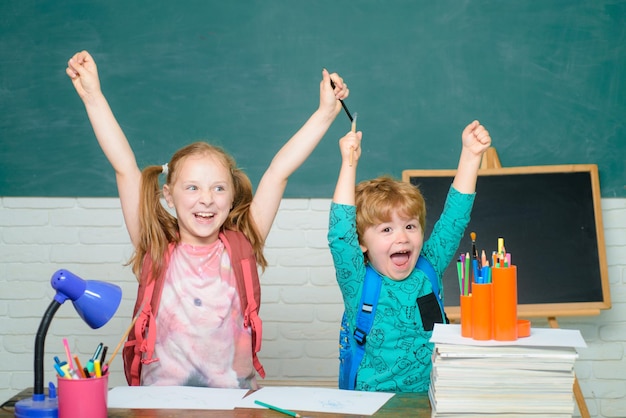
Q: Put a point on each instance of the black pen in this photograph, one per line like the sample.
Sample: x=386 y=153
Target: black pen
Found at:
x=104 y=353
x=332 y=84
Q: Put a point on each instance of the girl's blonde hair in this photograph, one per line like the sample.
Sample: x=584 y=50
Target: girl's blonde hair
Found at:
x=378 y=198
x=158 y=227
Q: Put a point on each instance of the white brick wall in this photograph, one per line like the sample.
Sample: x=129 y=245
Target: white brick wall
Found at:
x=301 y=302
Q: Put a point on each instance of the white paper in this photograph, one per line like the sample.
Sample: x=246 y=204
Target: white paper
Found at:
x=312 y=399
x=174 y=397
x=539 y=337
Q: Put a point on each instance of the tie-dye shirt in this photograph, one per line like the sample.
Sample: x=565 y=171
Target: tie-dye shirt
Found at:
x=201 y=340
x=398 y=352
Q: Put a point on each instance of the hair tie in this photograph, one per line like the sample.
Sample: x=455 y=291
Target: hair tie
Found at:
x=164 y=169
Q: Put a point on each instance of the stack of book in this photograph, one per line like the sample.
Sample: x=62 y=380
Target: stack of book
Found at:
x=530 y=376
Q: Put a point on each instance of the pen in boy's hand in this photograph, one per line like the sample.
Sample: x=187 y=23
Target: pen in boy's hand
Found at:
x=353 y=131
x=332 y=84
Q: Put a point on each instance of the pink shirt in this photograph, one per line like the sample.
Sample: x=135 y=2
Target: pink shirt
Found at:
x=201 y=340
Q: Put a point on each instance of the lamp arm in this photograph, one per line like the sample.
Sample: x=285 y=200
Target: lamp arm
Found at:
x=40 y=340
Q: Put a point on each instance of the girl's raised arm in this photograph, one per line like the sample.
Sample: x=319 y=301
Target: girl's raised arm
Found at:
x=83 y=72
x=291 y=156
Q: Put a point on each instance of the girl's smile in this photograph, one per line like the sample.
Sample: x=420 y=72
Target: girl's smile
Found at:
x=202 y=194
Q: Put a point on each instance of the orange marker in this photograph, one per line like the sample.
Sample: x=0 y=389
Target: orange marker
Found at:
x=79 y=367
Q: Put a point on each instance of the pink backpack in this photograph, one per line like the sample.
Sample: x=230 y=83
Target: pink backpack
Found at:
x=139 y=348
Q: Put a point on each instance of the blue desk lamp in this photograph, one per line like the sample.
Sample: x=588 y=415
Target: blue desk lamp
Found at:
x=95 y=302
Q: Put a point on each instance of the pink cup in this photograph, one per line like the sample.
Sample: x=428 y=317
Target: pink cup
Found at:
x=80 y=398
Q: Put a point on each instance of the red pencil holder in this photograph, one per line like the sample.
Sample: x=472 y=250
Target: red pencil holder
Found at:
x=80 y=398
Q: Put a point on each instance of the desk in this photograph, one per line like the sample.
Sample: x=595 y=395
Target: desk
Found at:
x=401 y=405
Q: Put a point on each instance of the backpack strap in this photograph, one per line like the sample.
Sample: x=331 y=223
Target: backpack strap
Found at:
x=364 y=320
x=243 y=262
x=351 y=355
x=367 y=305
x=139 y=347
x=424 y=265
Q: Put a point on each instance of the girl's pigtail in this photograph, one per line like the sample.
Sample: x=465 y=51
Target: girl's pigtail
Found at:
x=240 y=217
x=157 y=226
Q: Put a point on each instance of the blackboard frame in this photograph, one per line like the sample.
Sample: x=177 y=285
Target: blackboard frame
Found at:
x=599 y=285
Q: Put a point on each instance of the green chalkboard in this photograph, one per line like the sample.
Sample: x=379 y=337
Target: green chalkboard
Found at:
x=551 y=220
x=547 y=78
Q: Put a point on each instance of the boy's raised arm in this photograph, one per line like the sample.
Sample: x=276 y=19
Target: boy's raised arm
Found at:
x=350 y=147
x=476 y=140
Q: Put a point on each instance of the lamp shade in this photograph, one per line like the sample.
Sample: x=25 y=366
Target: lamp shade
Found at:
x=95 y=301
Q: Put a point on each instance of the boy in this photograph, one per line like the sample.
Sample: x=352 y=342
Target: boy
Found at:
x=380 y=224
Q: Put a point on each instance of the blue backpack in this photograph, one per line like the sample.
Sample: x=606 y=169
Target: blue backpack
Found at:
x=352 y=345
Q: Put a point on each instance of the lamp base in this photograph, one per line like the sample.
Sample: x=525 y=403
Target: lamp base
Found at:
x=35 y=407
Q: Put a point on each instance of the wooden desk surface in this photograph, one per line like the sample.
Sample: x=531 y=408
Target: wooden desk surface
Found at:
x=401 y=405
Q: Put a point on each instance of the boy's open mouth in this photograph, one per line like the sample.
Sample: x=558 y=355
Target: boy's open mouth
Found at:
x=400 y=258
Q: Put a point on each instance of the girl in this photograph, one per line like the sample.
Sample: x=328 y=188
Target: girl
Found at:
x=201 y=337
